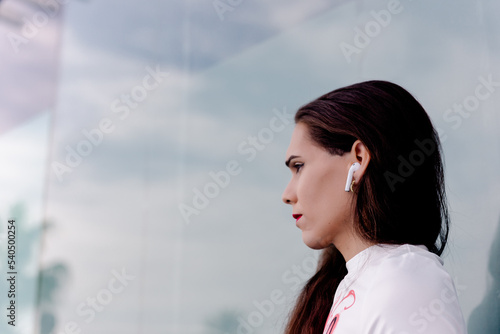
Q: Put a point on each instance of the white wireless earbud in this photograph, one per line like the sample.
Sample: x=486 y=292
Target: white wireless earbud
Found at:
x=355 y=166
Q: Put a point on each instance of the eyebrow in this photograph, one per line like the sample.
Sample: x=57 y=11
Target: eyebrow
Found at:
x=287 y=163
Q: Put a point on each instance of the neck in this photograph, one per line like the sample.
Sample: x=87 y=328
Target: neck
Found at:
x=351 y=245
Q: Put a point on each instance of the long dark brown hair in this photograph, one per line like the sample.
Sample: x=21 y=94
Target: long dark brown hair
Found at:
x=400 y=198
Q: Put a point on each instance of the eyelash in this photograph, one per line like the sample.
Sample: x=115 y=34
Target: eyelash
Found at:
x=297 y=166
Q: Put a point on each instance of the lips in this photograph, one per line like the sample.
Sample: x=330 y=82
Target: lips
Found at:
x=297 y=216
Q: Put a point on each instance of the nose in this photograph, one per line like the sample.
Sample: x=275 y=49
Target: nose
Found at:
x=289 y=196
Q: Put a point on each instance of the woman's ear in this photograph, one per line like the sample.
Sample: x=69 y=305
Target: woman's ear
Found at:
x=360 y=154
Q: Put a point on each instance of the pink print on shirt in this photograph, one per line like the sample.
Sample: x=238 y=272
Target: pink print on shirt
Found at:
x=333 y=317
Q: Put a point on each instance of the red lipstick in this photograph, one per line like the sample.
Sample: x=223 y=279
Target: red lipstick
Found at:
x=297 y=216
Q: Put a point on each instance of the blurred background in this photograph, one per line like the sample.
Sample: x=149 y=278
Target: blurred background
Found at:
x=142 y=147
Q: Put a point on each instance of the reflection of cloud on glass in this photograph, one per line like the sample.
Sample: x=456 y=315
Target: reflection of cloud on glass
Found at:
x=30 y=47
x=485 y=318
x=142 y=32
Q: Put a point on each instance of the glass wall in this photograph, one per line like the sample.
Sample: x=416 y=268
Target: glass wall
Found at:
x=142 y=148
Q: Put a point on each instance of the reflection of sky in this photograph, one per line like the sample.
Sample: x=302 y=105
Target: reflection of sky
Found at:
x=28 y=59
x=164 y=37
x=119 y=207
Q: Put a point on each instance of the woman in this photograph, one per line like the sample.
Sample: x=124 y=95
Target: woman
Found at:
x=367 y=187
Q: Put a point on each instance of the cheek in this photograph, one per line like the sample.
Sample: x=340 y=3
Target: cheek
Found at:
x=321 y=192
x=331 y=200
x=326 y=198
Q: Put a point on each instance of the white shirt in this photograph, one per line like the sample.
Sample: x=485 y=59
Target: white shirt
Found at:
x=395 y=289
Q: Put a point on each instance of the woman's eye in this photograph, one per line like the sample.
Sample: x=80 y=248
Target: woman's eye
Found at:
x=297 y=166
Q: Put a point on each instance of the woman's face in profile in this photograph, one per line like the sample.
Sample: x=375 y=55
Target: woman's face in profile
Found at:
x=316 y=191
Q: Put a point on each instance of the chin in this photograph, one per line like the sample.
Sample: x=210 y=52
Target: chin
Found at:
x=314 y=242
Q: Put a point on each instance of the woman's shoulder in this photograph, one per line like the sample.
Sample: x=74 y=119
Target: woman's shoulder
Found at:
x=411 y=282
x=403 y=267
